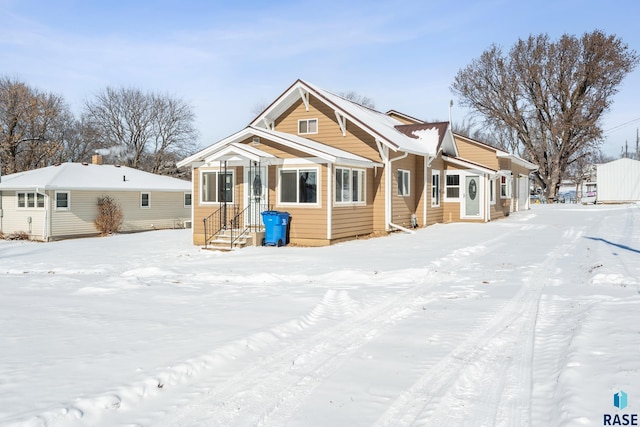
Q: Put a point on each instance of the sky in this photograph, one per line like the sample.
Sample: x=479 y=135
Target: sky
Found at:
x=228 y=58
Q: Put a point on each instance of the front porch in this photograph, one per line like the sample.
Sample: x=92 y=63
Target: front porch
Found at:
x=231 y=226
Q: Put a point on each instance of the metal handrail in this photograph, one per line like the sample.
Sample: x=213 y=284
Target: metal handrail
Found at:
x=236 y=222
x=237 y=225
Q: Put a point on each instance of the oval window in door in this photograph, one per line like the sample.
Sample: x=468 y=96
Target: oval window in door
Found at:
x=473 y=189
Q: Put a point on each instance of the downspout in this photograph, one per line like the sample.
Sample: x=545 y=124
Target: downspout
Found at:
x=46 y=221
x=487 y=200
x=329 y=202
x=388 y=194
x=427 y=163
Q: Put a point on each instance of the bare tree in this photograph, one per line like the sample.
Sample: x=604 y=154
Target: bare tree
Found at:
x=549 y=95
x=353 y=96
x=122 y=117
x=79 y=140
x=30 y=125
x=173 y=130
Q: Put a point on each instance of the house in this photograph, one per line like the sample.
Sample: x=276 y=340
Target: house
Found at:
x=60 y=201
x=343 y=170
x=618 y=181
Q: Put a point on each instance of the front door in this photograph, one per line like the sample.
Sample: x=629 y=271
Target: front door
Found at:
x=472 y=196
x=256 y=179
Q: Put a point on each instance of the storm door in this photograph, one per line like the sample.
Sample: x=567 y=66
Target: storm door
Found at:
x=256 y=195
x=472 y=196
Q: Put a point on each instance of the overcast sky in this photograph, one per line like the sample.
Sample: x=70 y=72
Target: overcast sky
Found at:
x=227 y=57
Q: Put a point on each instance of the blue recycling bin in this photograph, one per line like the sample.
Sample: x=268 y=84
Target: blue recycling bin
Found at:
x=275 y=228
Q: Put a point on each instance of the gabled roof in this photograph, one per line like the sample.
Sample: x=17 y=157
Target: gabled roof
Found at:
x=82 y=176
x=313 y=148
x=379 y=125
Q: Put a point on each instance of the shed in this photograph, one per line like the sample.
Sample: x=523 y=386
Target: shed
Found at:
x=619 y=181
x=60 y=201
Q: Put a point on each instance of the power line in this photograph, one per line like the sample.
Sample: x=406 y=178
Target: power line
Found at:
x=622 y=125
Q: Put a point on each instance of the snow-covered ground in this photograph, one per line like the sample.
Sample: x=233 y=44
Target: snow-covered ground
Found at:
x=532 y=320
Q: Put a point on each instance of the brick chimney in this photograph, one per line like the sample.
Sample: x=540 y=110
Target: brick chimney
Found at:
x=96 y=159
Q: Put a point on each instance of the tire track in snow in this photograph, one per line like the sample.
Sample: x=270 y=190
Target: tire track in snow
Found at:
x=493 y=365
x=270 y=391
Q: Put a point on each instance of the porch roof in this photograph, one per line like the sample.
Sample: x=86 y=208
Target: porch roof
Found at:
x=229 y=147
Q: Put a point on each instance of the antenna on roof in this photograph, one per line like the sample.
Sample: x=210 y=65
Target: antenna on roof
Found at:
x=450 y=105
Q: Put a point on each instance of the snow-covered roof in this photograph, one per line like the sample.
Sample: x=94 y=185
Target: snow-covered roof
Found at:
x=377 y=124
x=82 y=176
x=313 y=148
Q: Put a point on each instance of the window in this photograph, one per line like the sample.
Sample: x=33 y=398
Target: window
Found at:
x=350 y=185
x=30 y=200
x=453 y=186
x=435 y=188
x=505 y=188
x=307 y=126
x=62 y=200
x=298 y=186
x=403 y=182
x=145 y=200
x=217 y=187
x=187 y=200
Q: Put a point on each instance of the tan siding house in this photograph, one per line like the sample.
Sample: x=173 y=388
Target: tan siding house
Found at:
x=341 y=170
x=60 y=201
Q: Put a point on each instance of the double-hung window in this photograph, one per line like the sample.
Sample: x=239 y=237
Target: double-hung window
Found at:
x=298 y=186
x=350 y=185
x=453 y=186
x=217 y=187
x=187 y=200
x=403 y=182
x=62 y=200
x=307 y=126
x=435 y=188
x=145 y=200
x=30 y=200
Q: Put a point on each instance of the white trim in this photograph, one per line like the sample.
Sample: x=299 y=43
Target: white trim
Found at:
x=434 y=173
x=55 y=201
x=408 y=189
x=363 y=174
x=329 y=204
x=308 y=121
x=304 y=95
x=342 y=122
x=492 y=186
x=424 y=191
x=142 y=193
x=446 y=197
x=480 y=196
x=297 y=203
x=35 y=200
x=217 y=171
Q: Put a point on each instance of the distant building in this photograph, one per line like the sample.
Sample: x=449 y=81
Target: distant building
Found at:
x=619 y=181
x=61 y=201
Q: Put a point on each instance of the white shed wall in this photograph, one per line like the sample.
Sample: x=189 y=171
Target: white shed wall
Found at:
x=619 y=181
